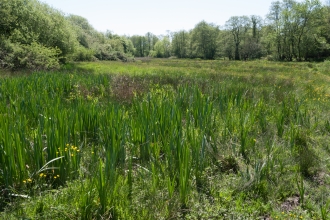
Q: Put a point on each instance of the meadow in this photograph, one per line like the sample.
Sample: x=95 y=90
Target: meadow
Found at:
x=166 y=139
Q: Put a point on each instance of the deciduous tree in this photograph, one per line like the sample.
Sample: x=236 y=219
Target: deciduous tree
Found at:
x=238 y=26
x=205 y=40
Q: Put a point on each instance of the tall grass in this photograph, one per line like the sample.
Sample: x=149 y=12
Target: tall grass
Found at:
x=159 y=134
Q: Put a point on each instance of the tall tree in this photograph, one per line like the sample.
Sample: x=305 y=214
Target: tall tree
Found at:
x=227 y=44
x=275 y=27
x=140 y=43
x=307 y=15
x=295 y=27
x=180 y=43
x=256 y=23
x=151 y=40
x=238 y=26
x=162 y=48
x=205 y=39
x=86 y=34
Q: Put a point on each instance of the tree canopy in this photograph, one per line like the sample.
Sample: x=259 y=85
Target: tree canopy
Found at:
x=36 y=36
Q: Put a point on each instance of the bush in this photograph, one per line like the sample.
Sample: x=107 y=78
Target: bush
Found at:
x=153 y=54
x=83 y=54
x=105 y=52
x=34 y=56
x=7 y=57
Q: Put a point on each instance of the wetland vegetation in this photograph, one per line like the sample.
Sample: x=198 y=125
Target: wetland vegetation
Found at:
x=166 y=139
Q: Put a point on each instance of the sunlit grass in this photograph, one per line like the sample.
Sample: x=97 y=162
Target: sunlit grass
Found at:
x=166 y=139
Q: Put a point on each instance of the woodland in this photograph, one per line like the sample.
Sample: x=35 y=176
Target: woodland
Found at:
x=35 y=36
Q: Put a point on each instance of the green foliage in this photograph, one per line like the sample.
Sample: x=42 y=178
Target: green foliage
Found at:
x=162 y=49
x=38 y=57
x=180 y=43
x=35 y=36
x=291 y=31
x=7 y=56
x=98 y=46
x=165 y=141
x=308 y=161
x=238 y=27
x=87 y=36
x=83 y=54
x=295 y=30
x=144 y=45
x=205 y=39
x=33 y=56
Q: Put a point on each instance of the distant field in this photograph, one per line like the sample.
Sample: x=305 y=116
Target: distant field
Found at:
x=166 y=139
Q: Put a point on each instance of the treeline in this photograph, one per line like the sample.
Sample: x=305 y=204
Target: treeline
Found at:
x=291 y=31
x=33 y=35
x=36 y=36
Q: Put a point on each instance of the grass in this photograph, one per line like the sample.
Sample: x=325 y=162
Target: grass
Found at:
x=166 y=139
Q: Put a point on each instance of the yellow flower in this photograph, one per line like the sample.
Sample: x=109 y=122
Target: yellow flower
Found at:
x=29 y=180
x=24 y=181
x=67 y=145
x=55 y=177
x=78 y=150
x=41 y=174
x=58 y=175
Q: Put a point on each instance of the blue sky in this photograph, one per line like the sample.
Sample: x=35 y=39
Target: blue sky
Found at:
x=132 y=17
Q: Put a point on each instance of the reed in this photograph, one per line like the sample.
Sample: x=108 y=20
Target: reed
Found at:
x=163 y=139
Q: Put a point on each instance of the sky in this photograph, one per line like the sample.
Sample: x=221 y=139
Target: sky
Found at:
x=137 y=17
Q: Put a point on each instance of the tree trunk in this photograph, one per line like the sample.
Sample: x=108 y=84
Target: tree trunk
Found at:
x=236 y=52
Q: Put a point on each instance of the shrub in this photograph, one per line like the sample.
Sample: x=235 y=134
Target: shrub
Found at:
x=38 y=57
x=83 y=54
x=34 y=56
x=7 y=58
